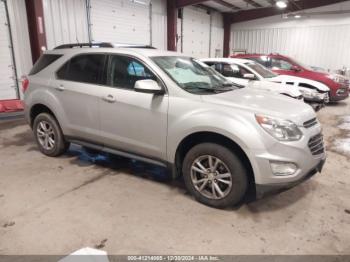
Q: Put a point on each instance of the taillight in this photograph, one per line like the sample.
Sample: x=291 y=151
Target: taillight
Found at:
x=25 y=84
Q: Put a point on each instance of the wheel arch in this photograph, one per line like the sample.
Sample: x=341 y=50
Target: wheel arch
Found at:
x=207 y=136
x=37 y=109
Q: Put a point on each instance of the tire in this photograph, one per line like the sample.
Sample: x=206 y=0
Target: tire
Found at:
x=46 y=129
x=230 y=169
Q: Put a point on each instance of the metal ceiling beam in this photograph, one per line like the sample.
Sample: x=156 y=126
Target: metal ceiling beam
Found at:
x=294 y=3
x=246 y=15
x=251 y=2
x=226 y=4
x=271 y=2
x=183 y=3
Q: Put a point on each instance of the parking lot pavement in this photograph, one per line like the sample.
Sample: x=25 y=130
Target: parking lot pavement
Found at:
x=59 y=205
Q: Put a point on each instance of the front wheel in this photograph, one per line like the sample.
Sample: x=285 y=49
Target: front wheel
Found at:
x=49 y=136
x=215 y=175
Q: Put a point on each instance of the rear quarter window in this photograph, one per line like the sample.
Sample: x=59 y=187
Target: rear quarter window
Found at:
x=43 y=62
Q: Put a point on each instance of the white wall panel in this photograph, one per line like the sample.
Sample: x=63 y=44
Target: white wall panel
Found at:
x=20 y=37
x=196 y=30
x=159 y=24
x=217 y=35
x=7 y=77
x=65 y=22
x=321 y=40
x=120 y=21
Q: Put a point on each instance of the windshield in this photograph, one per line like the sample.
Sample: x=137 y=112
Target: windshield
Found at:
x=261 y=70
x=193 y=75
x=296 y=62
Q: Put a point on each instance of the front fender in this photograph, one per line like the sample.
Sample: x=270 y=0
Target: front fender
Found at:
x=241 y=129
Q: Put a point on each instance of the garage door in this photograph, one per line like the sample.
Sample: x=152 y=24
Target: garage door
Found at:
x=120 y=21
x=196 y=32
x=7 y=77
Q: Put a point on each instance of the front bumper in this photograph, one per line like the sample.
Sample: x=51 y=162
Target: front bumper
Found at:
x=308 y=155
x=341 y=93
x=269 y=189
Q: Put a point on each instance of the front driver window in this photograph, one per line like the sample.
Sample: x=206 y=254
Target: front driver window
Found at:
x=279 y=64
x=234 y=71
x=125 y=71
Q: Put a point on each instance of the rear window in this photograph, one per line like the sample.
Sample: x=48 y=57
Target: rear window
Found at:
x=43 y=62
x=84 y=68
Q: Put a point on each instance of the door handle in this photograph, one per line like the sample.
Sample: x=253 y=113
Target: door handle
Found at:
x=109 y=99
x=59 y=87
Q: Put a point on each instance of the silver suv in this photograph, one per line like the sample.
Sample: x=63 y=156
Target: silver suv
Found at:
x=172 y=110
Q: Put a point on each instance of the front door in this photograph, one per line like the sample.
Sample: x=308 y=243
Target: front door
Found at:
x=132 y=121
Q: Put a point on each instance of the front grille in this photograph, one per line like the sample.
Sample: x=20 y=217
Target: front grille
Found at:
x=326 y=97
x=310 y=123
x=345 y=82
x=316 y=145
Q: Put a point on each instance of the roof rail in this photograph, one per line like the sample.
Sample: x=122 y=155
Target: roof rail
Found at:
x=103 y=44
x=133 y=46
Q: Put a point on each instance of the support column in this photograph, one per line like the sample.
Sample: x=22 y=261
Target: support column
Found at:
x=227 y=35
x=171 y=25
x=36 y=27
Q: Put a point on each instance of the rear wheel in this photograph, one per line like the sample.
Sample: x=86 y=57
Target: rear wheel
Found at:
x=215 y=175
x=48 y=135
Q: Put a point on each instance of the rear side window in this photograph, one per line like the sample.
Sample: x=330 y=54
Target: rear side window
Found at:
x=84 y=68
x=43 y=62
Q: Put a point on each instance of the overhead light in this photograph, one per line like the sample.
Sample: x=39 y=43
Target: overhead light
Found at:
x=297 y=16
x=281 y=4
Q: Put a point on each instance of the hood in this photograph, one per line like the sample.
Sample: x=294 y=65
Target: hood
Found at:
x=275 y=88
x=265 y=103
x=287 y=78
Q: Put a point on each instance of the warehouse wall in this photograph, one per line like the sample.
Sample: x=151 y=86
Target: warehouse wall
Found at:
x=202 y=33
x=321 y=40
x=121 y=21
x=125 y=21
x=13 y=68
x=159 y=24
x=65 y=22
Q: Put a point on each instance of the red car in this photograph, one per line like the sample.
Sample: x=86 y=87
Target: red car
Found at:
x=283 y=65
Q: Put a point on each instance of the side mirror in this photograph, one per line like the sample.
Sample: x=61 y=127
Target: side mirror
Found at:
x=148 y=86
x=249 y=76
x=296 y=68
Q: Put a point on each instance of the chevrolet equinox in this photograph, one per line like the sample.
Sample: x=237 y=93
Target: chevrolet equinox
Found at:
x=172 y=110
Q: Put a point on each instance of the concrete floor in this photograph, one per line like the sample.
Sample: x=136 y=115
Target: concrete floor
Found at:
x=59 y=205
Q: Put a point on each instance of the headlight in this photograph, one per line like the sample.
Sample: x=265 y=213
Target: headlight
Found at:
x=282 y=130
x=336 y=78
x=311 y=94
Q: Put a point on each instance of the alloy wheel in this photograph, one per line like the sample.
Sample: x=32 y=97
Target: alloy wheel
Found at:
x=45 y=135
x=211 y=177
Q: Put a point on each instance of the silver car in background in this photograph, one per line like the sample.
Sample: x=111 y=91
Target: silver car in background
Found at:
x=170 y=110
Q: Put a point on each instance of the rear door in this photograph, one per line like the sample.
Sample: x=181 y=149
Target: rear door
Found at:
x=78 y=88
x=132 y=121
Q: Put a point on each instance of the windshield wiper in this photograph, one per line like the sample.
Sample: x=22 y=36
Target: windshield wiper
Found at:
x=205 y=86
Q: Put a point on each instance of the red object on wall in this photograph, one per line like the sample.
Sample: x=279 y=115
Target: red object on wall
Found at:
x=14 y=105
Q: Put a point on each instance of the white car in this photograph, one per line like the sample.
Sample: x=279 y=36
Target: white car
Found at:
x=248 y=73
